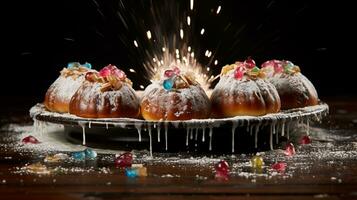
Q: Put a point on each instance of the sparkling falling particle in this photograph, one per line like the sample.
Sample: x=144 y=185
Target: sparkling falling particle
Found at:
x=202 y=31
x=181 y=33
x=141 y=87
x=163 y=49
x=148 y=34
x=132 y=70
x=136 y=43
x=191 y=4
x=189 y=49
x=188 y=20
x=218 y=10
x=216 y=62
x=208 y=69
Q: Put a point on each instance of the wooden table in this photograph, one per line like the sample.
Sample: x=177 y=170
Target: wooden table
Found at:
x=325 y=169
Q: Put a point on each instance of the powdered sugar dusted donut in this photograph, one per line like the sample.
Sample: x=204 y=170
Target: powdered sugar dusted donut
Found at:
x=294 y=89
x=175 y=96
x=107 y=94
x=243 y=90
x=61 y=91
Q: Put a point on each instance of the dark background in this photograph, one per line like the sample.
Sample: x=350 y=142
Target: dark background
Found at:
x=42 y=37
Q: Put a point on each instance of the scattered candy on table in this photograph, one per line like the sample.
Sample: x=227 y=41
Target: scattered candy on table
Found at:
x=124 y=160
x=279 y=166
x=222 y=170
x=90 y=153
x=37 y=168
x=136 y=170
x=56 y=158
x=30 y=140
x=289 y=149
x=305 y=140
x=257 y=162
x=79 y=155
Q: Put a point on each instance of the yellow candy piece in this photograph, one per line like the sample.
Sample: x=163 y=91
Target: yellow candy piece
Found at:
x=257 y=162
x=142 y=171
x=37 y=168
x=227 y=68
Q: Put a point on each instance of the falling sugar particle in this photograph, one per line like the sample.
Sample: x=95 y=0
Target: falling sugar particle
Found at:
x=188 y=20
x=208 y=69
x=218 y=10
x=136 y=43
x=132 y=70
x=148 y=34
x=181 y=33
x=189 y=49
x=202 y=31
x=191 y=4
x=141 y=87
x=163 y=49
x=216 y=62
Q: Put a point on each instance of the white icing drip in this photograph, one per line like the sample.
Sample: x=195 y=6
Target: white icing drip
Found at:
x=210 y=137
x=107 y=125
x=89 y=124
x=288 y=130
x=307 y=126
x=196 y=134
x=138 y=127
x=158 y=133
x=283 y=128
x=150 y=138
x=271 y=137
x=203 y=134
x=166 y=147
x=256 y=134
x=187 y=133
x=83 y=125
x=234 y=126
x=191 y=134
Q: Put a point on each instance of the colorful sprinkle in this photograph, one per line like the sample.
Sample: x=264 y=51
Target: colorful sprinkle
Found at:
x=238 y=73
x=257 y=162
x=168 y=84
x=131 y=172
x=90 y=153
x=289 y=149
x=169 y=73
x=305 y=140
x=222 y=170
x=124 y=160
x=79 y=155
x=279 y=166
x=73 y=65
x=87 y=65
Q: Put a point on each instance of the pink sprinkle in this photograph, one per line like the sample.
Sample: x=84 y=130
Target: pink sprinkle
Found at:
x=169 y=73
x=289 y=149
x=30 y=140
x=119 y=73
x=124 y=160
x=176 y=70
x=305 y=140
x=279 y=166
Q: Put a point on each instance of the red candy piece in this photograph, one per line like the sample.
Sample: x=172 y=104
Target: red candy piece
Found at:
x=112 y=70
x=249 y=63
x=289 y=150
x=277 y=64
x=124 y=160
x=279 y=166
x=169 y=73
x=89 y=76
x=305 y=140
x=239 y=73
x=222 y=169
x=106 y=71
x=176 y=70
x=30 y=140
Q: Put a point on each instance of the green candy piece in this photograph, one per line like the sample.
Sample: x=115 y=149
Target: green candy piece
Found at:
x=255 y=69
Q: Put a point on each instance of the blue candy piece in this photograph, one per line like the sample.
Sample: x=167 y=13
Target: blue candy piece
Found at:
x=131 y=172
x=79 y=155
x=168 y=84
x=87 y=65
x=73 y=64
x=90 y=153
